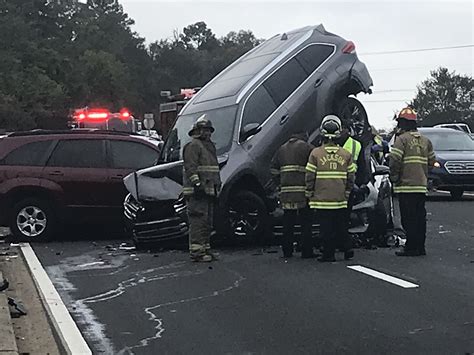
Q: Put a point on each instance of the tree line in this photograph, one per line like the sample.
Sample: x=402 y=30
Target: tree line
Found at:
x=59 y=55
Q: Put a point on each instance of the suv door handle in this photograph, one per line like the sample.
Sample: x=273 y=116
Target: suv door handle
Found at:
x=56 y=173
x=318 y=82
x=284 y=119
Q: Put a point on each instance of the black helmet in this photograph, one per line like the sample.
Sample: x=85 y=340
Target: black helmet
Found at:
x=331 y=126
x=201 y=122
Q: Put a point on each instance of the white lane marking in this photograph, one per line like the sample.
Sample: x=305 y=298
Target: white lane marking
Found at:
x=382 y=276
x=71 y=338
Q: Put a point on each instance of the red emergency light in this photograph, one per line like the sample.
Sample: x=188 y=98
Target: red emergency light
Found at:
x=124 y=114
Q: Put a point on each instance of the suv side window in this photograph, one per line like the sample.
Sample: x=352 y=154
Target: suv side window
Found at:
x=79 y=153
x=258 y=107
x=30 y=154
x=285 y=80
x=131 y=155
x=313 y=56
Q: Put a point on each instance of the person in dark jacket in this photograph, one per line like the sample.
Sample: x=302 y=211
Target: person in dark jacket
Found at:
x=201 y=186
x=288 y=170
x=411 y=158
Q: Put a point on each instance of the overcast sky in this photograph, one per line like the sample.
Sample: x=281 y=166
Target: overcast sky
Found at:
x=374 y=26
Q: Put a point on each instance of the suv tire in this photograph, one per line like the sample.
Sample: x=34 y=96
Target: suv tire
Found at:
x=248 y=218
x=32 y=220
x=351 y=109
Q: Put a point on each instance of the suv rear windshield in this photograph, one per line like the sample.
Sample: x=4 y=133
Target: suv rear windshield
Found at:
x=223 y=120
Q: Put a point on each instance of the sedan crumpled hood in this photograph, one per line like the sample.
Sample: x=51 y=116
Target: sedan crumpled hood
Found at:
x=157 y=183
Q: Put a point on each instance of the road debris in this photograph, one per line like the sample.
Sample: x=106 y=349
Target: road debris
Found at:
x=92 y=264
x=417 y=330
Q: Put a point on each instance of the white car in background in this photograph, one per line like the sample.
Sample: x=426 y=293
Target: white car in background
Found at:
x=457 y=126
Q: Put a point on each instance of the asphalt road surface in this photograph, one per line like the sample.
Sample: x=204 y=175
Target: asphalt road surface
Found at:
x=254 y=302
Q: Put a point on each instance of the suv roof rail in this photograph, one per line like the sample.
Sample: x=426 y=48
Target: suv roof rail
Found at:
x=38 y=132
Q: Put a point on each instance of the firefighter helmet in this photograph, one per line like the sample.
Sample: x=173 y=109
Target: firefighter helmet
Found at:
x=408 y=114
x=331 y=126
x=201 y=123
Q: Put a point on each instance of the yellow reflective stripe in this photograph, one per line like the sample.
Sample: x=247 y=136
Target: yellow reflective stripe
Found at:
x=331 y=175
x=308 y=193
x=293 y=189
x=328 y=205
x=293 y=168
x=396 y=150
x=188 y=191
x=415 y=159
x=208 y=169
x=310 y=167
x=275 y=171
x=352 y=168
x=397 y=153
x=408 y=189
x=194 y=178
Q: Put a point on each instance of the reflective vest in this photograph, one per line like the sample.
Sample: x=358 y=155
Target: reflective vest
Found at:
x=354 y=147
x=330 y=176
x=411 y=157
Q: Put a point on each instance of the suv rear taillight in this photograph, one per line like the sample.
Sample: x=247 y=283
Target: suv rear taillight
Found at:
x=349 y=48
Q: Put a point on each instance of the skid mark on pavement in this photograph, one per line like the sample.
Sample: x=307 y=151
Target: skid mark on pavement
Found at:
x=91 y=327
x=135 y=281
x=159 y=328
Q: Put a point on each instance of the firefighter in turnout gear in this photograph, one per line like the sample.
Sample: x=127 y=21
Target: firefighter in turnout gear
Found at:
x=201 y=186
x=330 y=174
x=288 y=170
x=410 y=159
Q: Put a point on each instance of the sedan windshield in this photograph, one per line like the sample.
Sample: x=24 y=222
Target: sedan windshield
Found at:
x=450 y=141
x=223 y=120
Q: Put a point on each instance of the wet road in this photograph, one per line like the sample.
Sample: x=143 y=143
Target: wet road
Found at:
x=254 y=302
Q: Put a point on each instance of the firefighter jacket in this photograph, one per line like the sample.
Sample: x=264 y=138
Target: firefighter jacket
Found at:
x=289 y=169
x=330 y=175
x=410 y=159
x=201 y=167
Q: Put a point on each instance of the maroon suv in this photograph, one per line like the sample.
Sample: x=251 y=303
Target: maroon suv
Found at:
x=52 y=177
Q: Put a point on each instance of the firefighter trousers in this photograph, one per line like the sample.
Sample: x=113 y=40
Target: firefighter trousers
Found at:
x=200 y=215
x=413 y=216
x=333 y=230
x=303 y=217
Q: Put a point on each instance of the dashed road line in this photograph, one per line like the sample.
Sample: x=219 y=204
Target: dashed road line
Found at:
x=68 y=332
x=382 y=276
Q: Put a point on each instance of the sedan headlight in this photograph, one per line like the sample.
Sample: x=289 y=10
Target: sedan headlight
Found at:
x=437 y=164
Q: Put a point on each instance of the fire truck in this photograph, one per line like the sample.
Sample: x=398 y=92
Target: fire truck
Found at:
x=170 y=110
x=104 y=119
